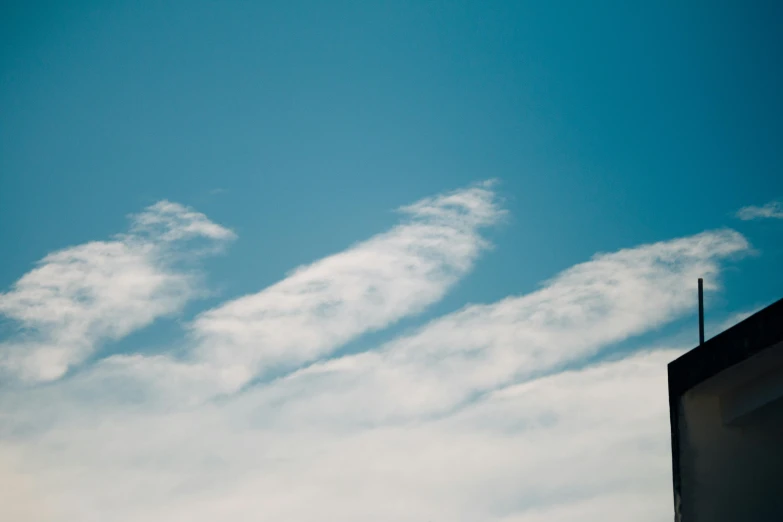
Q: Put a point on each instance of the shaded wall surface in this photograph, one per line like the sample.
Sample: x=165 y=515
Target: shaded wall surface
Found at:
x=731 y=466
x=726 y=401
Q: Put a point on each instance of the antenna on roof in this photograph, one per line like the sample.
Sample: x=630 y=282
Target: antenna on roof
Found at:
x=701 y=311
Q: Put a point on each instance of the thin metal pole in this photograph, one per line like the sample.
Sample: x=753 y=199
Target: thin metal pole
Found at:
x=701 y=311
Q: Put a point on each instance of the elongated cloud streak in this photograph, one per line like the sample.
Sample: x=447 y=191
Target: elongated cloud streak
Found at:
x=367 y=287
x=483 y=347
x=772 y=210
x=84 y=295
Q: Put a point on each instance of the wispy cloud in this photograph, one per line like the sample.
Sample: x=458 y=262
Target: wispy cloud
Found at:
x=167 y=222
x=521 y=453
x=321 y=306
x=483 y=347
x=772 y=210
x=84 y=295
x=472 y=417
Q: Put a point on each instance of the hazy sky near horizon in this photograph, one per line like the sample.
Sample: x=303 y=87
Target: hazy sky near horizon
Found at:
x=371 y=260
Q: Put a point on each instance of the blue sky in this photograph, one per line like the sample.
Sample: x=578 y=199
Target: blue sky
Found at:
x=211 y=149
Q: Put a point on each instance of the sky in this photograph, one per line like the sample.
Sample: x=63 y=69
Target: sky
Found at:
x=371 y=260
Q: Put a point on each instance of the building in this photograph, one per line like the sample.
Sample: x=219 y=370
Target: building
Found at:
x=726 y=412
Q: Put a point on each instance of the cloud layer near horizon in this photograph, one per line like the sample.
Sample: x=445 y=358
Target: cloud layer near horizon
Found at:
x=499 y=411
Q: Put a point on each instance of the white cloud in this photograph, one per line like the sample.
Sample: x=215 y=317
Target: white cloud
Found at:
x=82 y=296
x=367 y=287
x=523 y=453
x=20 y=499
x=167 y=221
x=634 y=505
x=482 y=347
x=470 y=418
x=772 y=210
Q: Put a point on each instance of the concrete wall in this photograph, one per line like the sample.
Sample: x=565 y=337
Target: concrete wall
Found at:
x=731 y=444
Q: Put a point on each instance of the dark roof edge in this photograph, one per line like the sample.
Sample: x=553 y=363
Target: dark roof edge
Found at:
x=743 y=340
